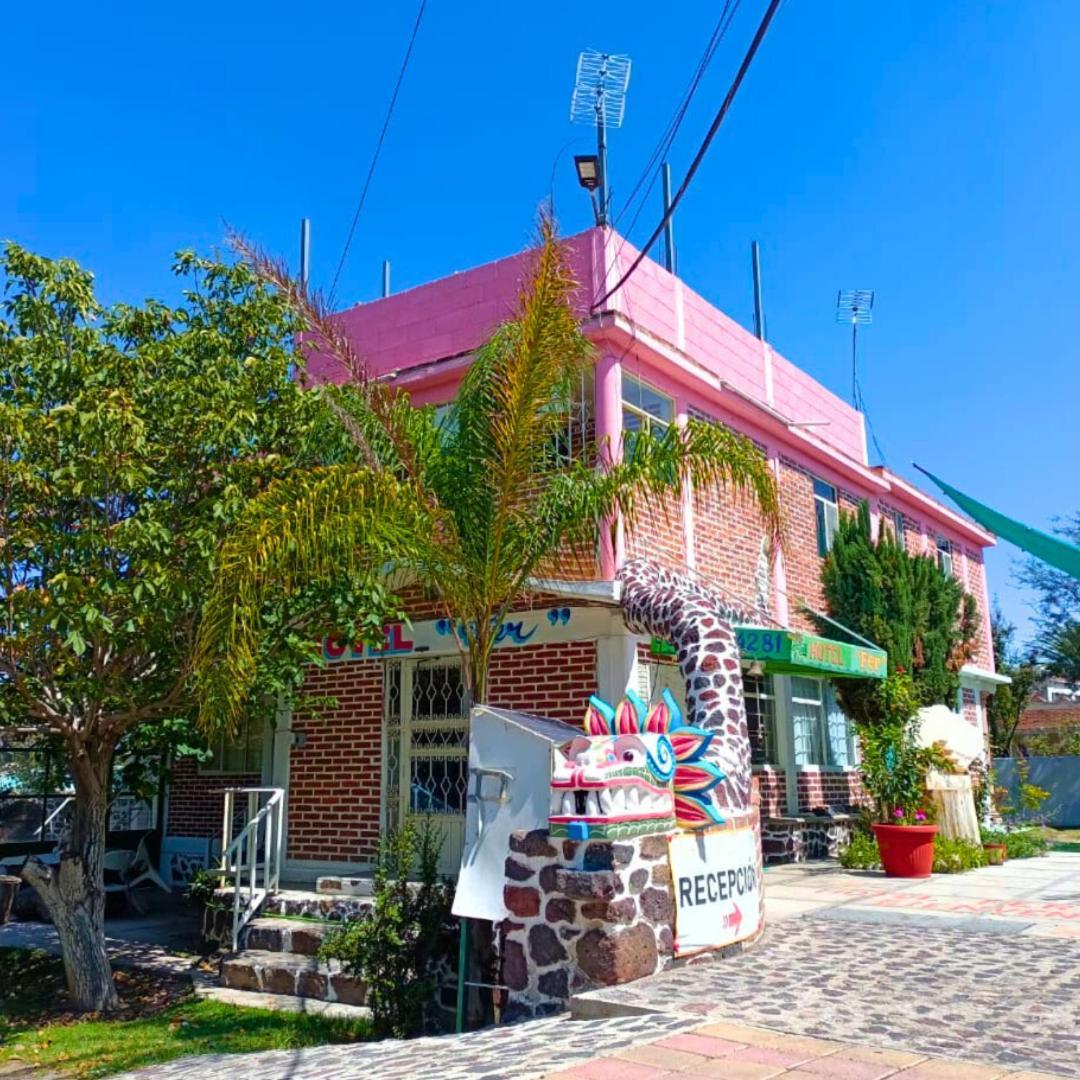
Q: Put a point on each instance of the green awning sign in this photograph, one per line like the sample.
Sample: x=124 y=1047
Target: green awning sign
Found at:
x=789 y=652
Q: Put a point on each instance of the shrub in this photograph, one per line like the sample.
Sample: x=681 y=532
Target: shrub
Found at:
x=861 y=853
x=1022 y=844
x=894 y=765
x=956 y=856
x=398 y=950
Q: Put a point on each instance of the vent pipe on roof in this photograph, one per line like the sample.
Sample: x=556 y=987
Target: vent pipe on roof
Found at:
x=305 y=251
x=759 y=304
x=669 y=227
x=386 y=278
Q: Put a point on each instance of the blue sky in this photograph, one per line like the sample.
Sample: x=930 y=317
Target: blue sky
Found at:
x=927 y=150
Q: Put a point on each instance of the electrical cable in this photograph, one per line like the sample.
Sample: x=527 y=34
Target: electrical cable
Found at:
x=702 y=150
x=671 y=132
x=378 y=149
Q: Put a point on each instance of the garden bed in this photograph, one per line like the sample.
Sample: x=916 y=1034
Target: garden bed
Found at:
x=159 y=1019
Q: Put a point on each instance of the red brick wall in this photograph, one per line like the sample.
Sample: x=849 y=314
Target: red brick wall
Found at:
x=659 y=535
x=196 y=800
x=772 y=785
x=835 y=789
x=802 y=564
x=549 y=680
x=728 y=534
x=335 y=778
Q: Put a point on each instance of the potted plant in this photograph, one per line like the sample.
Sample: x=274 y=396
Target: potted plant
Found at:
x=894 y=768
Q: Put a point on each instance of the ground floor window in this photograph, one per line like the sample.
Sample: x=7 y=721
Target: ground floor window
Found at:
x=820 y=730
x=239 y=753
x=760 y=697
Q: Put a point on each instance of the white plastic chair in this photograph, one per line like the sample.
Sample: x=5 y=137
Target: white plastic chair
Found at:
x=142 y=869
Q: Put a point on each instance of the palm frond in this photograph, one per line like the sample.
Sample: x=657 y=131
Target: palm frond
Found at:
x=342 y=523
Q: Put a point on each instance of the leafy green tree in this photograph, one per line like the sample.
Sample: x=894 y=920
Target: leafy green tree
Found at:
x=486 y=501
x=1057 y=642
x=131 y=438
x=904 y=603
x=1008 y=702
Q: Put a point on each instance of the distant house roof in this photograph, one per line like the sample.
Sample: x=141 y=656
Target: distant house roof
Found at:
x=1043 y=716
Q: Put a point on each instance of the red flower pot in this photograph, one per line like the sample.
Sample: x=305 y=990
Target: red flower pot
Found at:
x=906 y=850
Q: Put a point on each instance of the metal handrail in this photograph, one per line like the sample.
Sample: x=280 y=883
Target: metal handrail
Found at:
x=240 y=856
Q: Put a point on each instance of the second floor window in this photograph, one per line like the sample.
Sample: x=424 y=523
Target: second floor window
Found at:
x=237 y=754
x=645 y=409
x=944 y=556
x=827 y=514
x=901 y=529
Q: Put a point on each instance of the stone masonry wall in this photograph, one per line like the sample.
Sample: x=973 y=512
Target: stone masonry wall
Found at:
x=584 y=914
x=799 y=839
x=592 y=913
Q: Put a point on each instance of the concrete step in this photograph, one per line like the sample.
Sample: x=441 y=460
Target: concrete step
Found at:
x=301 y=936
x=344 y=886
x=254 y=999
x=266 y=972
x=293 y=903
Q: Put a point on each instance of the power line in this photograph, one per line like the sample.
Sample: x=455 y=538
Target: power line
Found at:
x=378 y=149
x=662 y=148
x=699 y=156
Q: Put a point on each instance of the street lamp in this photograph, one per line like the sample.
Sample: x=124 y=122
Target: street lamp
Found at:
x=588 y=170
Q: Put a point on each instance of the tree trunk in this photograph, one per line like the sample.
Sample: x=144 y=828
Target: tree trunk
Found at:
x=74 y=889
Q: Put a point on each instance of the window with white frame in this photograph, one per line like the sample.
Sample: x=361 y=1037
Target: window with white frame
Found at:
x=944 y=556
x=827 y=515
x=820 y=729
x=645 y=409
x=233 y=755
x=760 y=697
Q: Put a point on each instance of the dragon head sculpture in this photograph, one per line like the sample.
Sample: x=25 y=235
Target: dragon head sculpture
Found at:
x=635 y=771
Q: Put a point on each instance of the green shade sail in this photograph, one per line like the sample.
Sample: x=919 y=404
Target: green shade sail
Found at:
x=789 y=652
x=1050 y=549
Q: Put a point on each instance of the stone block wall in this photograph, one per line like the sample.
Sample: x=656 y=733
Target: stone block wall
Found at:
x=592 y=913
x=583 y=914
x=799 y=839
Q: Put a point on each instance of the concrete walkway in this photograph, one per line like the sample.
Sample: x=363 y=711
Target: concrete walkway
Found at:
x=1035 y=897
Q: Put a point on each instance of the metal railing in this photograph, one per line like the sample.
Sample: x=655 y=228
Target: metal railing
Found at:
x=252 y=859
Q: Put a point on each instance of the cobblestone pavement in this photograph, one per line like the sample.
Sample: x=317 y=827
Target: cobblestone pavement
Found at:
x=518 y=1051
x=1009 y=999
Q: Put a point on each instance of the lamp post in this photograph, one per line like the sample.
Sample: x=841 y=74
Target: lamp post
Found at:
x=599 y=99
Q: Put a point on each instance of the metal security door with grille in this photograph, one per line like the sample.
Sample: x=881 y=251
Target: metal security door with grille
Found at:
x=426 y=765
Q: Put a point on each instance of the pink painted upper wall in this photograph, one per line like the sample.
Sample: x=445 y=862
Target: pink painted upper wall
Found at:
x=455 y=315
x=654 y=326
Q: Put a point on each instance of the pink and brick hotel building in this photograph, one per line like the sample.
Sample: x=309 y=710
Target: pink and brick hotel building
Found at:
x=395 y=742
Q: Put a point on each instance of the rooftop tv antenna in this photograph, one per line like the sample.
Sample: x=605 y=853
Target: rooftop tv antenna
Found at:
x=599 y=99
x=855 y=306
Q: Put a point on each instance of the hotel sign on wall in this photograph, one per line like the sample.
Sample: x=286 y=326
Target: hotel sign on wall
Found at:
x=788 y=652
x=717 y=883
x=437 y=635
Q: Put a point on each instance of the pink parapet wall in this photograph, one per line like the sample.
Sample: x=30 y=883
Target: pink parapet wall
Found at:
x=454 y=315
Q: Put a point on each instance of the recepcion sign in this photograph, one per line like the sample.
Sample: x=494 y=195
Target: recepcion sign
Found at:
x=717 y=884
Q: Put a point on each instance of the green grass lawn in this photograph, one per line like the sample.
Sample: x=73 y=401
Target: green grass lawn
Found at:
x=160 y=1020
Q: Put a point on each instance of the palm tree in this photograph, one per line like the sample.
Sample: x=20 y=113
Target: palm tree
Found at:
x=472 y=508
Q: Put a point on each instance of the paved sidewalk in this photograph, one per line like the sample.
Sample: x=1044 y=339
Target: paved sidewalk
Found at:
x=1037 y=897
x=737 y=1052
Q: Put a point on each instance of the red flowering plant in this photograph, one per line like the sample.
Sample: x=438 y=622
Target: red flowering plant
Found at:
x=894 y=765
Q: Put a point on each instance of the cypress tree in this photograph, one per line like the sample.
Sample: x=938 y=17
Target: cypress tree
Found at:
x=905 y=604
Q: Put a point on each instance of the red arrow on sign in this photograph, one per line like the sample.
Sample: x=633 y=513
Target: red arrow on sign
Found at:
x=733 y=918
